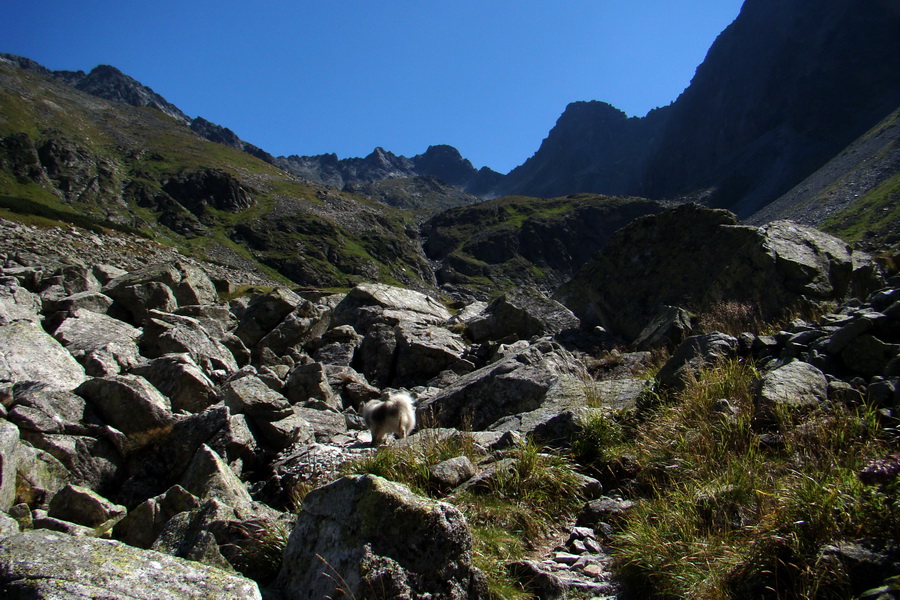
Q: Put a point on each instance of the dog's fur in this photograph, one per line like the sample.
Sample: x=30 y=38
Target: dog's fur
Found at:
x=394 y=415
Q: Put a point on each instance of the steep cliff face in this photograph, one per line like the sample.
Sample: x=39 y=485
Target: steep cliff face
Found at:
x=782 y=90
x=594 y=146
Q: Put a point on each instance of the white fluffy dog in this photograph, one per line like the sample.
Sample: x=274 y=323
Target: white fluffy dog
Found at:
x=394 y=415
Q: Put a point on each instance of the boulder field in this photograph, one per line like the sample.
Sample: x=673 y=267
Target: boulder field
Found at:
x=146 y=425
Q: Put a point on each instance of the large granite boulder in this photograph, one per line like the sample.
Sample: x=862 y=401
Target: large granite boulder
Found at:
x=423 y=351
x=369 y=537
x=46 y=564
x=522 y=313
x=164 y=286
x=264 y=313
x=181 y=380
x=166 y=333
x=28 y=353
x=515 y=384
x=371 y=303
x=679 y=258
x=103 y=345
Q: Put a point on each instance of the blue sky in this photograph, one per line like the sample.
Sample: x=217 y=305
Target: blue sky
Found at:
x=489 y=77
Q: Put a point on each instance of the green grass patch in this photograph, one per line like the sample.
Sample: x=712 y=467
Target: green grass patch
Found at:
x=872 y=217
x=723 y=516
x=508 y=515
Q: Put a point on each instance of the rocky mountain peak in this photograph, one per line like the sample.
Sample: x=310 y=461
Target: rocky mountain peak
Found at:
x=110 y=83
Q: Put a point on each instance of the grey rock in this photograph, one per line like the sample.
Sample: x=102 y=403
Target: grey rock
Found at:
x=90 y=462
x=451 y=472
x=306 y=322
x=92 y=301
x=693 y=353
x=603 y=510
x=523 y=313
x=144 y=523
x=310 y=382
x=675 y=258
x=42 y=564
x=264 y=313
x=168 y=333
x=39 y=476
x=8 y=525
x=39 y=407
x=352 y=387
x=131 y=405
x=18 y=304
x=191 y=534
x=208 y=476
x=539 y=581
x=670 y=327
x=9 y=462
x=422 y=352
x=375 y=356
x=181 y=380
x=868 y=355
x=325 y=424
x=28 y=353
x=348 y=536
x=250 y=396
x=282 y=433
x=216 y=319
x=794 y=384
x=80 y=505
x=162 y=287
x=371 y=303
x=338 y=346
x=103 y=345
x=516 y=384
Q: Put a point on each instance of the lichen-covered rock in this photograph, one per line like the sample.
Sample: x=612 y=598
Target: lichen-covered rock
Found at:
x=130 y=404
x=9 y=442
x=103 y=345
x=38 y=476
x=28 y=353
x=80 y=505
x=369 y=536
x=181 y=380
x=166 y=333
x=43 y=564
x=164 y=287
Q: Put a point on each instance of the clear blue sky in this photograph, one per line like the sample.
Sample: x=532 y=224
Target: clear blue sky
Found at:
x=489 y=77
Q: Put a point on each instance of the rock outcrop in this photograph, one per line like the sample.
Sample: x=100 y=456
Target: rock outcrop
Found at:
x=694 y=258
x=367 y=536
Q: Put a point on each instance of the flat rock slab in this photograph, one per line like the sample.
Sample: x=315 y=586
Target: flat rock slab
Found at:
x=51 y=565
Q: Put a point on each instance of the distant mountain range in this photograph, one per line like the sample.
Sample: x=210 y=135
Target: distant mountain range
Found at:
x=783 y=89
